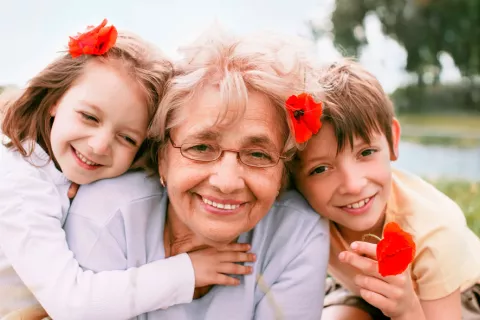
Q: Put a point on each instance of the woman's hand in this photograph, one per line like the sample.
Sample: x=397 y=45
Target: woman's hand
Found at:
x=212 y=265
x=393 y=295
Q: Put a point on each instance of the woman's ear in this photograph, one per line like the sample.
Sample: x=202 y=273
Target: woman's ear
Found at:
x=162 y=162
x=53 y=110
x=396 y=133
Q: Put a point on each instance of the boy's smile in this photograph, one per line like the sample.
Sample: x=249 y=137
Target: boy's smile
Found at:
x=349 y=186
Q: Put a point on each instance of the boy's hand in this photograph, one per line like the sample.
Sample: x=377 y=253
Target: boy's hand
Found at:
x=212 y=265
x=393 y=295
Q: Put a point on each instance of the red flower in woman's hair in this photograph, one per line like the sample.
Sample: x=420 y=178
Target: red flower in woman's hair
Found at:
x=305 y=115
x=95 y=41
x=395 y=251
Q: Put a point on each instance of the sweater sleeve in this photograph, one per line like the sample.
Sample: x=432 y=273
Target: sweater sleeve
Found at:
x=35 y=245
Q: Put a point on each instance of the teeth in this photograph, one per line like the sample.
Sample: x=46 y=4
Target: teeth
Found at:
x=221 y=205
x=84 y=159
x=358 y=204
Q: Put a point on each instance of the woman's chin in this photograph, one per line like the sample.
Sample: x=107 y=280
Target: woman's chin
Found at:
x=219 y=240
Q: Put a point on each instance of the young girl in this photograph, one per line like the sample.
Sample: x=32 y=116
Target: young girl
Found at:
x=345 y=173
x=81 y=119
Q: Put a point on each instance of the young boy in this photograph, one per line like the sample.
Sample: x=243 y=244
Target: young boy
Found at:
x=346 y=175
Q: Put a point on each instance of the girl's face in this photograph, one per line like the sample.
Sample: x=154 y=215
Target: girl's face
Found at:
x=99 y=124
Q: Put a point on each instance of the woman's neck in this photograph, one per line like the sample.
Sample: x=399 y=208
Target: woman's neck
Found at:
x=178 y=238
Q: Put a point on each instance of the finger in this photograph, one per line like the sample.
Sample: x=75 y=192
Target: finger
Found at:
x=233 y=268
x=35 y=312
x=225 y=280
x=364 y=264
x=377 y=300
x=365 y=249
x=236 y=247
x=72 y=190
x=379 y=286
x=237 y=257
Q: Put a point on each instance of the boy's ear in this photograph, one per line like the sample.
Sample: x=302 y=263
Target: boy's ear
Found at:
x=396 y=133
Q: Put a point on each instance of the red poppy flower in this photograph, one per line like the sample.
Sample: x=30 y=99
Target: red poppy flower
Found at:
x=395 y=251
x=305 y=115
x=95 y=41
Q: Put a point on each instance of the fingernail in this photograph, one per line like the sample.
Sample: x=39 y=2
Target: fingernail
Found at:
x=341 y=256
x=354 y=245
x=254 y=257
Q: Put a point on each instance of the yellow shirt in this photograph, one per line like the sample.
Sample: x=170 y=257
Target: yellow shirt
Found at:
x=448 y=252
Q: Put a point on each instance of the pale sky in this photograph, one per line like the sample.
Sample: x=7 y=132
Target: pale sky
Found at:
x=32 y=32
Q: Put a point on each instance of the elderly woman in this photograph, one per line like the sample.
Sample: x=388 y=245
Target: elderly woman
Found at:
x=223 y=140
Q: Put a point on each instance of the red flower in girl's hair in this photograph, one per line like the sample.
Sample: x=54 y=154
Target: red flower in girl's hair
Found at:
x=305 y=115
x=395 y=251
x=95 y=41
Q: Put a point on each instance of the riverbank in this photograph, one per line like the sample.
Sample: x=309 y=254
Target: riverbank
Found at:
x=459 y=130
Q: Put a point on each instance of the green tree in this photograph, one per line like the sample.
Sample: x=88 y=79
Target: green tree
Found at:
x=425 y=28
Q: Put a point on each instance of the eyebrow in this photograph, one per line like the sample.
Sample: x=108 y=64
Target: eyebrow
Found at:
x=92 y=106
x=261 y=140
x=205 y=135
x=361 y=143
x=314 y=159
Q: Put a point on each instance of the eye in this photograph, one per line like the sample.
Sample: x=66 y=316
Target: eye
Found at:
x=257 y=157
x=200 y=148
x=367 y=152
x=88 y=117
x=259 y=154
x=318 y=170
x=201 y=151
x=130 y=140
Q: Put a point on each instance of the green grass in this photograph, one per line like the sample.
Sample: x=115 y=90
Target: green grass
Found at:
x=462 y=130
x=467 y=196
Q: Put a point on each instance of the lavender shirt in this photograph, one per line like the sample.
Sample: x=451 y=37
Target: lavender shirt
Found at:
x=117 y=224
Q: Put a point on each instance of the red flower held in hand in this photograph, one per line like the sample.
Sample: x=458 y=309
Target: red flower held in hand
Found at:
x=95 y=41
x=395 y=251
x=305 y=114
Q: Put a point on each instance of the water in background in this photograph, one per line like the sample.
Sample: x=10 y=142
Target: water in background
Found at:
x=434 y=161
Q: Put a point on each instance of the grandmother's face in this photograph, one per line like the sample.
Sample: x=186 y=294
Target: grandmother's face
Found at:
x=221 y=199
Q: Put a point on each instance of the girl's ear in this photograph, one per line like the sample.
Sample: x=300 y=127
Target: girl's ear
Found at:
x=396 y=133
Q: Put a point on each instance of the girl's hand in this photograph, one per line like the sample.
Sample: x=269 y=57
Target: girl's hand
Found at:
x=215 y=266
x=35 y=312
x=393 y=295
x=72 y=190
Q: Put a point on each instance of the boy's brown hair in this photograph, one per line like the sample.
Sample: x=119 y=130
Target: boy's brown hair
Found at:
x=28 y=116
x=355 y=103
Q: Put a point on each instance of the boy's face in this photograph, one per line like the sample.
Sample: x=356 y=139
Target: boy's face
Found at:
x=352 y=187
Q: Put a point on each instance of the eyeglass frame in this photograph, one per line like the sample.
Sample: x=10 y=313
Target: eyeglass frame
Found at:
x=222 y=150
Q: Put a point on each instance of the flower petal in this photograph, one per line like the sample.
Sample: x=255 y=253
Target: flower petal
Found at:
x=395 y=251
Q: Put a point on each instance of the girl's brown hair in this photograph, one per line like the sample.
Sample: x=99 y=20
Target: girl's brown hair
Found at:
x=28 y=117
